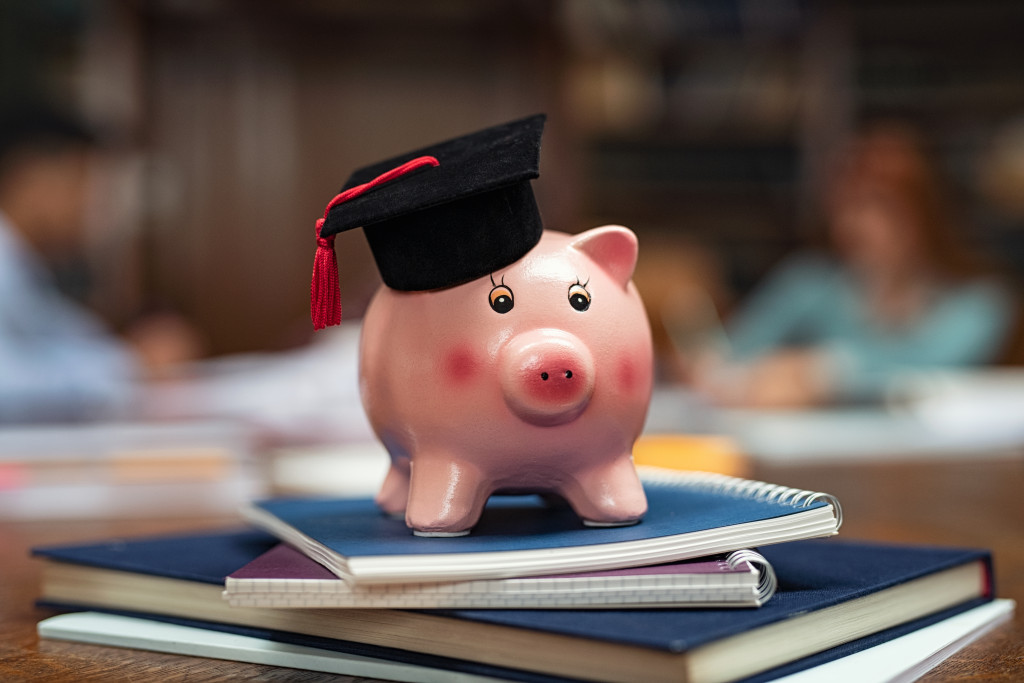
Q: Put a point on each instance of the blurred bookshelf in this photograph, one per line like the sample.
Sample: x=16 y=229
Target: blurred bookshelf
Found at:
x=951 y=68
x=702 y=123
x=743 y=107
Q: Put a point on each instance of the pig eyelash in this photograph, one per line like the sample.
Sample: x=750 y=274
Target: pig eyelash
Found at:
x=579 y=296
x=493 y=284
x=581 y=284
x=501 y=297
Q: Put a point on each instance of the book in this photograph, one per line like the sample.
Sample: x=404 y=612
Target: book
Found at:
x=905 y=658
x=909 y=657
x=690 y=515
x=126 y=469
x=834 y=598
x=285 y=578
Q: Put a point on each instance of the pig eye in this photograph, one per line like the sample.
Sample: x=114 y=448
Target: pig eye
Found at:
x=501 y=299
x=579 y=297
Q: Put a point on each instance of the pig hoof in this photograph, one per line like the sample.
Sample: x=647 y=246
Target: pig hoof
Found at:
x=440 y=534
x=627 y=522
x=398 y=515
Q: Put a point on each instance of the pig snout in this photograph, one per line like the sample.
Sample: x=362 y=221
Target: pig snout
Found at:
x=547 y=376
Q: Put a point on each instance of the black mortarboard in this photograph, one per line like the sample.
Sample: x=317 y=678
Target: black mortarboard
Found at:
x=445 y=214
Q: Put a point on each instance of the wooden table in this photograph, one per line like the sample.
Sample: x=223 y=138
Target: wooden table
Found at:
x=966 y=503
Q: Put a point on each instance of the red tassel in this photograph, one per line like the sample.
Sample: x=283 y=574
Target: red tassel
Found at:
x=325 y=291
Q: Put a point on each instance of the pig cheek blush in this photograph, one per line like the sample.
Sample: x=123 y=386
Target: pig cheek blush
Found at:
x=460 y=366
x=627 y=375
x=524 y=360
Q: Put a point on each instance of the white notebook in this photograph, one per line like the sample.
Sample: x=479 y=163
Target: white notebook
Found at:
x=285 y=578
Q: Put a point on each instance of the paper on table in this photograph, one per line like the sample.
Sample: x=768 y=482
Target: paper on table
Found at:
x=143 y=634
x=908 y=657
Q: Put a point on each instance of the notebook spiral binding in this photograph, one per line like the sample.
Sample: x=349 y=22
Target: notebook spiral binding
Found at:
x=767 y=583
x=747 y=488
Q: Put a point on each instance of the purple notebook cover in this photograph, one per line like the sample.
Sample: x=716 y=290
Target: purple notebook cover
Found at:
x=284 y=562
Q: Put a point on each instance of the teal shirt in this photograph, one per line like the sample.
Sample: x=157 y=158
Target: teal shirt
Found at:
x=811 y=301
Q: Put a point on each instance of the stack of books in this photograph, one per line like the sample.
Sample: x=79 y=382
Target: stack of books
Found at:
x=532 y=594
x=114 y=469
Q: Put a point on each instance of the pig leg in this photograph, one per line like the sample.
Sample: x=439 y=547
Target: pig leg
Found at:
x=446 y=496
x=394 y=492
x=608 y=495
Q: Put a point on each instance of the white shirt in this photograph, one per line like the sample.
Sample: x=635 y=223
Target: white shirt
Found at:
x=57 y=361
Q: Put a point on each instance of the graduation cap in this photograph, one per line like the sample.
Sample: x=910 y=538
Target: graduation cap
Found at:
x=438 y=216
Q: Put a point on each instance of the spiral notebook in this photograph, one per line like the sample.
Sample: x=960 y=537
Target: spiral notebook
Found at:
x=285 y=578
x=690 y=515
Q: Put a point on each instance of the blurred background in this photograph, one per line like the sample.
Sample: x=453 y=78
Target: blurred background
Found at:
x=705 y=126
x=712 y=128
x=828 y=194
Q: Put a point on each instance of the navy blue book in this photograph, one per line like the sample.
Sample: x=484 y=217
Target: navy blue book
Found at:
x=690 y=514
x=834 y=598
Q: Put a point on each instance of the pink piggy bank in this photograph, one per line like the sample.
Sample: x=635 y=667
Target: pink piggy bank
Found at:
x=535 y=379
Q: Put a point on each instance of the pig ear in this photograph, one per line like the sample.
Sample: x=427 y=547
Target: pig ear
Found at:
x=612 y=247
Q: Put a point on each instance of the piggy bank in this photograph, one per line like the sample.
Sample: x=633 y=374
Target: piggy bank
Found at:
x=536 y=378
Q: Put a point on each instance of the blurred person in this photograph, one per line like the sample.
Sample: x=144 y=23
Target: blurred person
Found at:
x=682 y=288
x=57 y=360
x=894 y=290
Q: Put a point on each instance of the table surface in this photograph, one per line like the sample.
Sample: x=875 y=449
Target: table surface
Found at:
x=964 y=503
